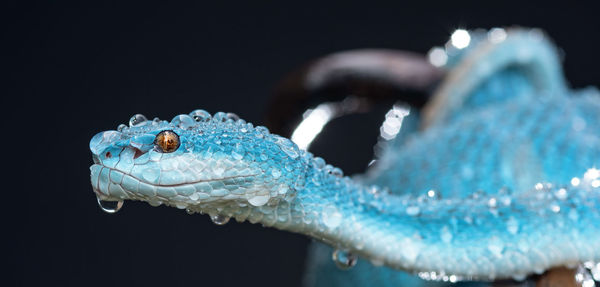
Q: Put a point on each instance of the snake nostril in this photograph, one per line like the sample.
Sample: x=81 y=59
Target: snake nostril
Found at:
x=137 y=153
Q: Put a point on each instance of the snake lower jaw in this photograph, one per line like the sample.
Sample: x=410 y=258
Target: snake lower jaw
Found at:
x=110 y=184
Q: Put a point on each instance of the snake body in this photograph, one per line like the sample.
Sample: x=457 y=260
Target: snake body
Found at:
x=499 y=180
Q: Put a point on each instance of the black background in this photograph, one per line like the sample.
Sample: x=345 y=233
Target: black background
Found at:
x=74 y=69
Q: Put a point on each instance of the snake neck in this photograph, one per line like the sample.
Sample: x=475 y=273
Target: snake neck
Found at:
x=330 y=208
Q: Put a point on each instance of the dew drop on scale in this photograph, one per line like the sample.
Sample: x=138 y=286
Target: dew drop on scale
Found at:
x=219 y=219
x=232 y=116
x=583 y=277
x=200 y=115
x=137 y=120
x=110 y=206
x=344 y=259
x=183 y=122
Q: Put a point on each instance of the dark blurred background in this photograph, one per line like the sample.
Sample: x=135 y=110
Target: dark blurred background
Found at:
x=74 y=69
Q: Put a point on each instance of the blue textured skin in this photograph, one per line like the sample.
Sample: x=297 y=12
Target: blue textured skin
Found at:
x=501 y=142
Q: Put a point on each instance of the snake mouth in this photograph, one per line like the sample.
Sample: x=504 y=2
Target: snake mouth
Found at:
x=103 y=177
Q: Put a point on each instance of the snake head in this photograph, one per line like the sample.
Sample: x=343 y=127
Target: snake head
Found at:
x=198 y=162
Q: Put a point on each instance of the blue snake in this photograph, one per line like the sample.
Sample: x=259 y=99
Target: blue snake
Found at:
x=496 y=178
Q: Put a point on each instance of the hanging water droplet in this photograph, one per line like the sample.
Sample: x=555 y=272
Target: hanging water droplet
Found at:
x=200 y=115
x=594 y=268
x=137 y=120
x=189 y=211
x=583 y=277
x=219 y=219
x=344 y=259
x=110 y=206
x=259 y=200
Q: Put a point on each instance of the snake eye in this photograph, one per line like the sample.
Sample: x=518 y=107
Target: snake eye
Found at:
x=166 y=141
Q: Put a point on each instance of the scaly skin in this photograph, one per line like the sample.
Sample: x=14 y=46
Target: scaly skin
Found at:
x=523 y=152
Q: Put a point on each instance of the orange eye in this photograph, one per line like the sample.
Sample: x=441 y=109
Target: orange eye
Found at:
x=167 y=141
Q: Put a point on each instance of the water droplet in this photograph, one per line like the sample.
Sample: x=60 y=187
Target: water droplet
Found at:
x=137 y=120
x=258 y=200
x=110 y=206
x=121 y=127
x=319 y=163
x=219 y=219
x=200 y=115
x=220 y=117
x=493 y=202
x=476 y=195
x=413 y=210
x=496 y=246
x=583 y=277
x=561 y=194
x=337 y=172
x=446 y=235
x=189 y=211
x=183 y=122
x=332 y=218
x=512 y=225
x=594 y=268
x=344 y=259
x=519 y=276
x=287 y=146
x=263 y=156
x=262 y=130
x=232 y=116
x=238 y=152
x=555 y=208
x=276 y=173
x=433 y=195
x=523 y=245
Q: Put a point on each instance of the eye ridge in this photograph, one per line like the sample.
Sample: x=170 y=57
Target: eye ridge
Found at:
x=167 y=141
